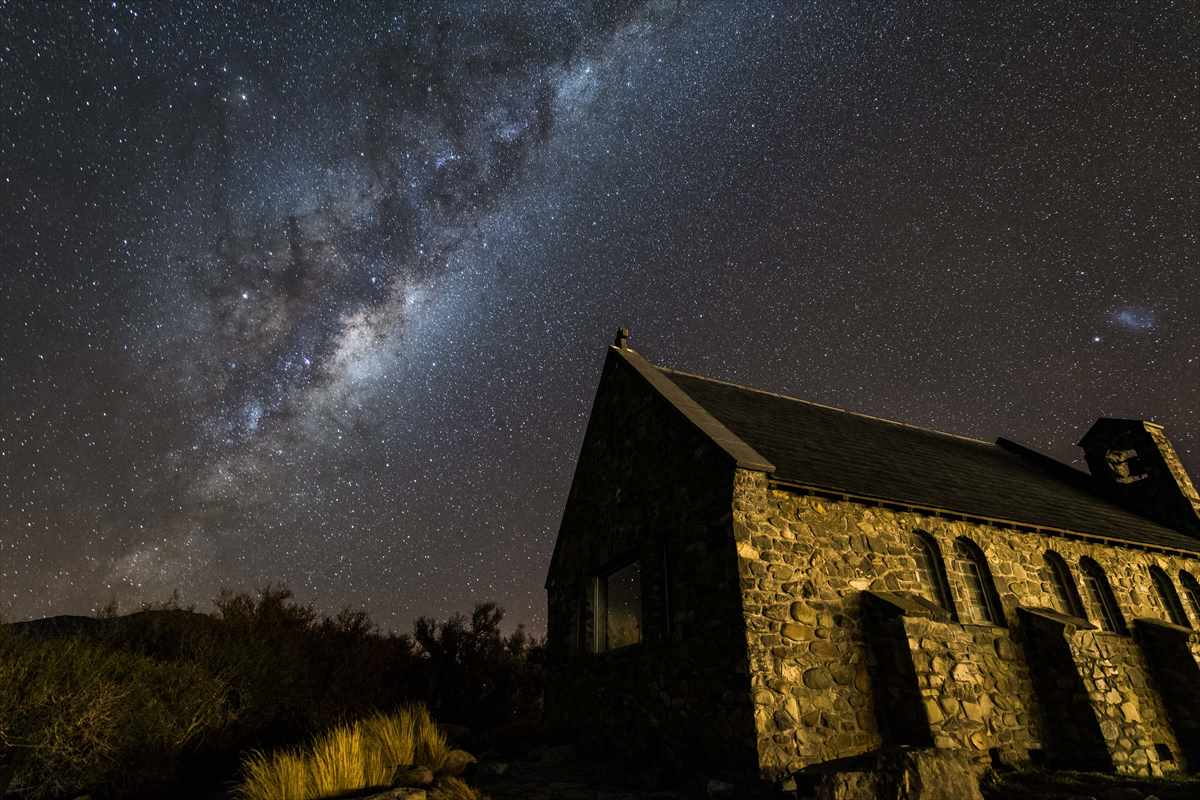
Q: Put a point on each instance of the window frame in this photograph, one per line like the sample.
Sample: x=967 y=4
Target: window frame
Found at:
x=1095 y=580
x=977 y=574
x=1064 y=584
x=1192 y=589
x=598 y=599
x=930 y=552
x=1168 y=597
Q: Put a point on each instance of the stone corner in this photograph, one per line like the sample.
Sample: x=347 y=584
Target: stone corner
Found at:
x=904 y=604
x=1048 y=616
x=1160 y=626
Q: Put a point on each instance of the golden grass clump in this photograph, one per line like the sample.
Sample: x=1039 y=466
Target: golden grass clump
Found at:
x=409 y=736
x=281 y=774
x=339 y=762
x=353 y=756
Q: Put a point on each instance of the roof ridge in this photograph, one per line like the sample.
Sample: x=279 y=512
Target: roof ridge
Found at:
x=1051 y=464
x=972 y=440
x=743 y=454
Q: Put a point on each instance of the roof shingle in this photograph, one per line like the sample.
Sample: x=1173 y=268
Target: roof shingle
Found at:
x=841 y=451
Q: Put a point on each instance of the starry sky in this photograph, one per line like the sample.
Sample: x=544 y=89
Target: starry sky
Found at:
x=319 y=293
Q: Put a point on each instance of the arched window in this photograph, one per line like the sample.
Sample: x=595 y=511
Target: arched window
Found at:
x=931 y=571
x=1192 y=590
x=1065 y=591
x=1167 y=597
x=980 y=601
x=1095 y=582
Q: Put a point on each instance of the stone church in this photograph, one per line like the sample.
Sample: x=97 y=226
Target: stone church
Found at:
x=771 y=587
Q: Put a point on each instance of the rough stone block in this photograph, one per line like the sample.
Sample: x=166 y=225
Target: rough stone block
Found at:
x=794 y=632
x=410 y=776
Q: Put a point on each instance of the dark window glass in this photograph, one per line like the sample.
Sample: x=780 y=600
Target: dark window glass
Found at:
x=619 y=608
x=1100 y=593
x=980 y=603
x=1167 y=597
x=931 y=571
x=1069 y=601
x=1192 y=590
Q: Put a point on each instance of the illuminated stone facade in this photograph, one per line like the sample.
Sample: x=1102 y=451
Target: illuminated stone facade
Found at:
x=784 y=625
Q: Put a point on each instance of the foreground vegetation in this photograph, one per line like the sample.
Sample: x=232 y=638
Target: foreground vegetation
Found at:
x=132 y=706
x=74 y=713
x=355 y=756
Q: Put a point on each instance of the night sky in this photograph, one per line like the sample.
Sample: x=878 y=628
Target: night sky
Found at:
x=320 y=295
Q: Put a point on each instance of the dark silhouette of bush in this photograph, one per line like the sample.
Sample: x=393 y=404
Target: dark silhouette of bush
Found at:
x=476 y=676
x=262 y=671
x=75 y=714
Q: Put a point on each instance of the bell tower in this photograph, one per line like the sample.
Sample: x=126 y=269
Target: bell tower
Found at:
x=1134 y=463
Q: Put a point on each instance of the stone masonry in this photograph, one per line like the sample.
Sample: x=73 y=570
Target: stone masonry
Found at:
x=785 y=625
x=678 y=695
x=806 y=562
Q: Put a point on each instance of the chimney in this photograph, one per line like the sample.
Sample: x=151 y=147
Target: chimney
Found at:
x=621 y=340
x=1134 y=463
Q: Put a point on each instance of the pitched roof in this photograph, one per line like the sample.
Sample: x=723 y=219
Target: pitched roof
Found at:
x=845 y=452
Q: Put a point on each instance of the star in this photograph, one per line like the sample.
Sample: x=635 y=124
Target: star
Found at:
x=368 y=309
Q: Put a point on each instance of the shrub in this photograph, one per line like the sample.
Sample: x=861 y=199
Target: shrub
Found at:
x=477 y=676
x=353 y=756
x=126 y=702
x=76 y=714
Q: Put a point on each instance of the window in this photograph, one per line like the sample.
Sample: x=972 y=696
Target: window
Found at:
x=1065 y=591
x=981 y=603
x=618 y=608
x=1100 y=593
x=1167 y=597
x=931 y=571
x=1191 y=590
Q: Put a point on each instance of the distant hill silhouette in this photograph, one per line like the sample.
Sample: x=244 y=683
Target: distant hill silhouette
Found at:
x=154 y=631
x=69 y=624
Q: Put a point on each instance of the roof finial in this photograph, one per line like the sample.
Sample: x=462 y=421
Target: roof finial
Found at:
x=622 y=340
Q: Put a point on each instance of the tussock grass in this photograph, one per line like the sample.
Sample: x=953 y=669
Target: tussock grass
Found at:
x=409 y=736
x=282 y=774
x=339 y=762
x=351 y=756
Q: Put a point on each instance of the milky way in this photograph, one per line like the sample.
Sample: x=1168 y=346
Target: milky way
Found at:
x=318 y=294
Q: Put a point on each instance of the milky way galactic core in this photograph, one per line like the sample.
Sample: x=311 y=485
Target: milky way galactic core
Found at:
x=319 y=293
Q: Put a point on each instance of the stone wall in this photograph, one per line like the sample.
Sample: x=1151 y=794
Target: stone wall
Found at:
x=1131 y=713
x=804 y=562
x=783 y=628
x=1072 y=736
x=976 y=689
x=802 y=573
x=1168 y=649
x=968 y=687
x=649 y=484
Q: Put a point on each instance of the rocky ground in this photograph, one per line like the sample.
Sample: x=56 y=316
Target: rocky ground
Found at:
x=1089 y=786
x=556 y=773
